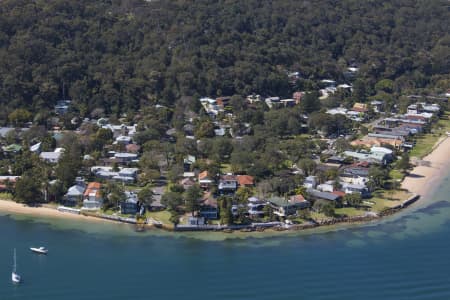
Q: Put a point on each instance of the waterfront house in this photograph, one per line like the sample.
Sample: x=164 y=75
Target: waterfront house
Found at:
x=209 y=209
x=92 y=198
x=227 y=184
x=284 y=207
x=74 y=195
x=323 y=195
x=7 y=182
x=256 y=207
x=350 y=188
x=130 y=206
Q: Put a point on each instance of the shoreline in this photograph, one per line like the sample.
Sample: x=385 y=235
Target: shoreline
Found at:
x=425 y=176
x=421 y=181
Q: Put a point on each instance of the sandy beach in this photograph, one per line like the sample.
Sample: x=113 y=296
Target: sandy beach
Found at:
x=18 y=208
x=423 y=178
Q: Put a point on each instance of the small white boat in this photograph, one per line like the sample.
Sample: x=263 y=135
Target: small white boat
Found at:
x=40 y=250
x=14 y=276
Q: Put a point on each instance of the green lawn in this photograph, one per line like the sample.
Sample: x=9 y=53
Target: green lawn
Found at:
x=162 y=216
x=425 y=142
x=349 y=211
x=387 y=199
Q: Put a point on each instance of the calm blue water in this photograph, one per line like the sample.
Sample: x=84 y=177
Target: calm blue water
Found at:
x=404 y=257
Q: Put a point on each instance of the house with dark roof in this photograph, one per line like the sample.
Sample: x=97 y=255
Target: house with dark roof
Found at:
x=284 y=207
x=209 y=209
x=323 y=195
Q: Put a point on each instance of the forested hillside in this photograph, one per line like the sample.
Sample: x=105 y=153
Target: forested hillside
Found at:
x=121 y=55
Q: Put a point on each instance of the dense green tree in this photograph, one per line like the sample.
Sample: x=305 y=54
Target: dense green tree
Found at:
x=69 y=164
x=354 y=199
x=146 y=196
x=172 y=200
x=192 y=197
x=28 y=188
x=404 y=164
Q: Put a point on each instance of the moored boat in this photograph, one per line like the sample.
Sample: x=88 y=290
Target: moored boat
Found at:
x=40 y=250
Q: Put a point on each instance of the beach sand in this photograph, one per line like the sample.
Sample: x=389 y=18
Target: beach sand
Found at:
x=423 y=178
x=18 y=208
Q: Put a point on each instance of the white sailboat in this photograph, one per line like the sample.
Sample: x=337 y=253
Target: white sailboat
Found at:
x=14 y=276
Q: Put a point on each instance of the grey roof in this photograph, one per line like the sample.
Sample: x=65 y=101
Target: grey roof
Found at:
x=50 y=155
x=76 y=190
x=322 y=195
x=4 y=131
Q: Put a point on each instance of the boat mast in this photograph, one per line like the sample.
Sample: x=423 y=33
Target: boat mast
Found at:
x=15 y=265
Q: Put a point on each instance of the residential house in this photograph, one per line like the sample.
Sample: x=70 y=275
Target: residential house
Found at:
x=377 y=106
x=287 y=102
x=310 y=182
x=271 y=101
x=284 y=207
x=369 y=141
x=376 y=157
x=350 y=188
x=256 y=207
x=74 y=195
x=125 y=157
x=326 y=186
x=188 y=161
x=92 y=199
x=52 y=157
x=131 y=205
x=318 y=195
x=253 y=99
x=205 y=180
x=245 y=180
x=355 y=175
x=7 y=182
x=360 y=107
x=187 y=182
x=123 y=139
x=209 y=209
x=62 y=107
x=228 y=184
x=132 y=148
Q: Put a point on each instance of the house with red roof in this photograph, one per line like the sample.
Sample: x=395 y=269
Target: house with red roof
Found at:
x=246 y=180
x=92 y=197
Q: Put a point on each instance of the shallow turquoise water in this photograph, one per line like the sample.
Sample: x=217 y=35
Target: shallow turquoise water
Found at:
x=406 y=256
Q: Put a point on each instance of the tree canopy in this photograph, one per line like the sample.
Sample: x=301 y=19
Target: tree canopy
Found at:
x=118 y=56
